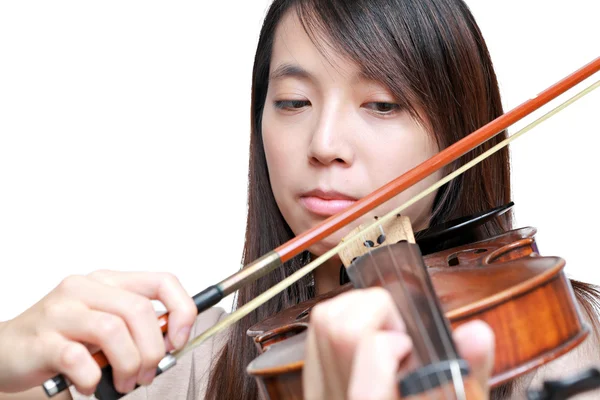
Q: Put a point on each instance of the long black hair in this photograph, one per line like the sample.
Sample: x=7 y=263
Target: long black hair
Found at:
x=434 y=60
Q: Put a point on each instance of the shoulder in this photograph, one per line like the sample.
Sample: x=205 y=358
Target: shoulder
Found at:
x=207 y=319
x=189 y=377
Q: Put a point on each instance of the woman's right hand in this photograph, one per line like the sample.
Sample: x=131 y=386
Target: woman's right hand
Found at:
x=106 y=310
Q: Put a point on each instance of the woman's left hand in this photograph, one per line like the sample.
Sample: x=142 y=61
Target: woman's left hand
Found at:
x=357 y=340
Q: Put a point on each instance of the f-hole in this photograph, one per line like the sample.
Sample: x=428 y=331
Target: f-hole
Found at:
x=303 y=314
x=453 y=259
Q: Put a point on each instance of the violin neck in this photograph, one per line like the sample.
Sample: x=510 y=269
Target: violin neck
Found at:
x=397 y=265
x=399 y=268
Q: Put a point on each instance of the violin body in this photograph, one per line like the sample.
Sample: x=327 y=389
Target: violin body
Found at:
x=524 y=297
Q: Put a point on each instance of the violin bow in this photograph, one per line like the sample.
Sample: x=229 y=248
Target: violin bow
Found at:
x=275 y=258
x=210 y=296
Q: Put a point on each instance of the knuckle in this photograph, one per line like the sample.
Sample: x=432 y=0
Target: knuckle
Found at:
x=93 y=378
x=54 y=310
x=81 y=369
x=140 y=306
x=72 y=355
x=169 y=278
x=169 y=281
x=101 y=275
x=153 y=357
x=129 y=366
x=377 y=296
x=379 y=301
x=70 y=284
x=110 y=326
x=191 y=311
x=188 y=312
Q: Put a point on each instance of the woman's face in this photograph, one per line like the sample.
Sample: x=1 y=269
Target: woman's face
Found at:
x=332 y=137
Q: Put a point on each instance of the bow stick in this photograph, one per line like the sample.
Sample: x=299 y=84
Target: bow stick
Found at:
x=275 y=258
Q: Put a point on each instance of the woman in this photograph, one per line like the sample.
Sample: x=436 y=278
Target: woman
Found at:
x=346 y=96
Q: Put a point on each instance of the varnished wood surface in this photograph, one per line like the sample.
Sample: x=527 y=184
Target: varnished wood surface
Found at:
x=525 y=298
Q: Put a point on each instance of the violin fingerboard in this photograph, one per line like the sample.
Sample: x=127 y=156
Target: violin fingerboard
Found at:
x=389 y=232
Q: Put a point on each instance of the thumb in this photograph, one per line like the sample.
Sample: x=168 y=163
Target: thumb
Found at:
x=476 y=342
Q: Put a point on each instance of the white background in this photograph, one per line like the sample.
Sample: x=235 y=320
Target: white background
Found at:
x=124 y=131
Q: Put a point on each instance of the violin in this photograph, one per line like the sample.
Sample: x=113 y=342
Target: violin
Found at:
x=522 y=295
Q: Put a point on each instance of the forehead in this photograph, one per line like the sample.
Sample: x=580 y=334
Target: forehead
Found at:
x=293 y=47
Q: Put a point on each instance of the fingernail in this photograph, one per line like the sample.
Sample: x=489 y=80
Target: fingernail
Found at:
x=181 y=337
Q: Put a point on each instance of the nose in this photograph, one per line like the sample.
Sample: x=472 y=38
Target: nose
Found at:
x=330 y=142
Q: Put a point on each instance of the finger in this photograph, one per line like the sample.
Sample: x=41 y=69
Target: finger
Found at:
x=475 y=343
x=159 y=286
x=73 y=360
x=346 y=318
x=107 y=331
x=135 y=310
x=314 y=375
x=376 y=360
x=340 y=323
x=168 y=345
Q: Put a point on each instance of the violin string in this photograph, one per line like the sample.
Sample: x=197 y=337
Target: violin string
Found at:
x=359 y=276
x=440 y=325
x=409 y=299
x=297 y=275
x=459 y=389
x=420 y=326
x=382 y=280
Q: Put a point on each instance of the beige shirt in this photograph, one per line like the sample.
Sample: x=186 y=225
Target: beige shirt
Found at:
x=189 y=377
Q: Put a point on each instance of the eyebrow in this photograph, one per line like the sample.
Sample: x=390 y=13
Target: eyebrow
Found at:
x=289 y=70
x=295 y=71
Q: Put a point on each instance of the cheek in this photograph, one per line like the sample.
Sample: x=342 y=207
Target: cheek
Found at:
x=283 y=149
x=395 y=155
x=285 y=154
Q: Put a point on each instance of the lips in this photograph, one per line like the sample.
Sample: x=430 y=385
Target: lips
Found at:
x=326 y=203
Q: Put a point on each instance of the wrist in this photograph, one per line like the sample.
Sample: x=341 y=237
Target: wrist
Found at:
x=6 y=344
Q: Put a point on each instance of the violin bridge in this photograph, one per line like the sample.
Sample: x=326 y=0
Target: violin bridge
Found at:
x=392 y=231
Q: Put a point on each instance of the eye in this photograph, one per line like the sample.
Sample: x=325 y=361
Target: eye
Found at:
x=291 y=105
x=382 y=108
